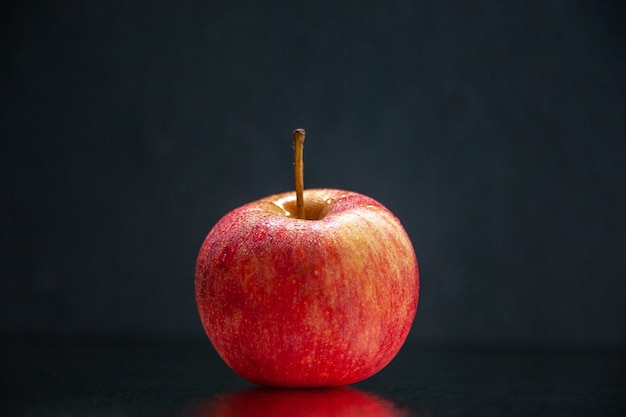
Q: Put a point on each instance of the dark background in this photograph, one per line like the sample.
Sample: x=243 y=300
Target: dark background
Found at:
x=494 y=130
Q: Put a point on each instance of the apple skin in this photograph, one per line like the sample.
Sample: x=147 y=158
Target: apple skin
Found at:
x=323 y=301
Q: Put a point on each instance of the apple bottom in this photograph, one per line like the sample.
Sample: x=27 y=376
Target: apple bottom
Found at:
x=309 y=344
x=310 y=364
x=308 y=303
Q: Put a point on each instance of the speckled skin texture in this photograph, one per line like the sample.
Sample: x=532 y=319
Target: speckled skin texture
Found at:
x=325 y=301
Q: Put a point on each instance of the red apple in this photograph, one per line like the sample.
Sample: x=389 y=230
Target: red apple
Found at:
x=323 y=300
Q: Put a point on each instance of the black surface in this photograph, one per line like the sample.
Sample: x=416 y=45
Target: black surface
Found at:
x=189 y=379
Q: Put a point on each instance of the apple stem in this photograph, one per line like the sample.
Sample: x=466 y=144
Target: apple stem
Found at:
x=298 y=145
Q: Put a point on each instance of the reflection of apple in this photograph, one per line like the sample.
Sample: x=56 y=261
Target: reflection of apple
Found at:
x=326 y=299
x=329 y=402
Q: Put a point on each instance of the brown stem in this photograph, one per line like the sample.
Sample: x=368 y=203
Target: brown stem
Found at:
x=298 y=145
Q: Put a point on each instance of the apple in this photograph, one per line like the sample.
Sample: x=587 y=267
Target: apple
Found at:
x=311 y=288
